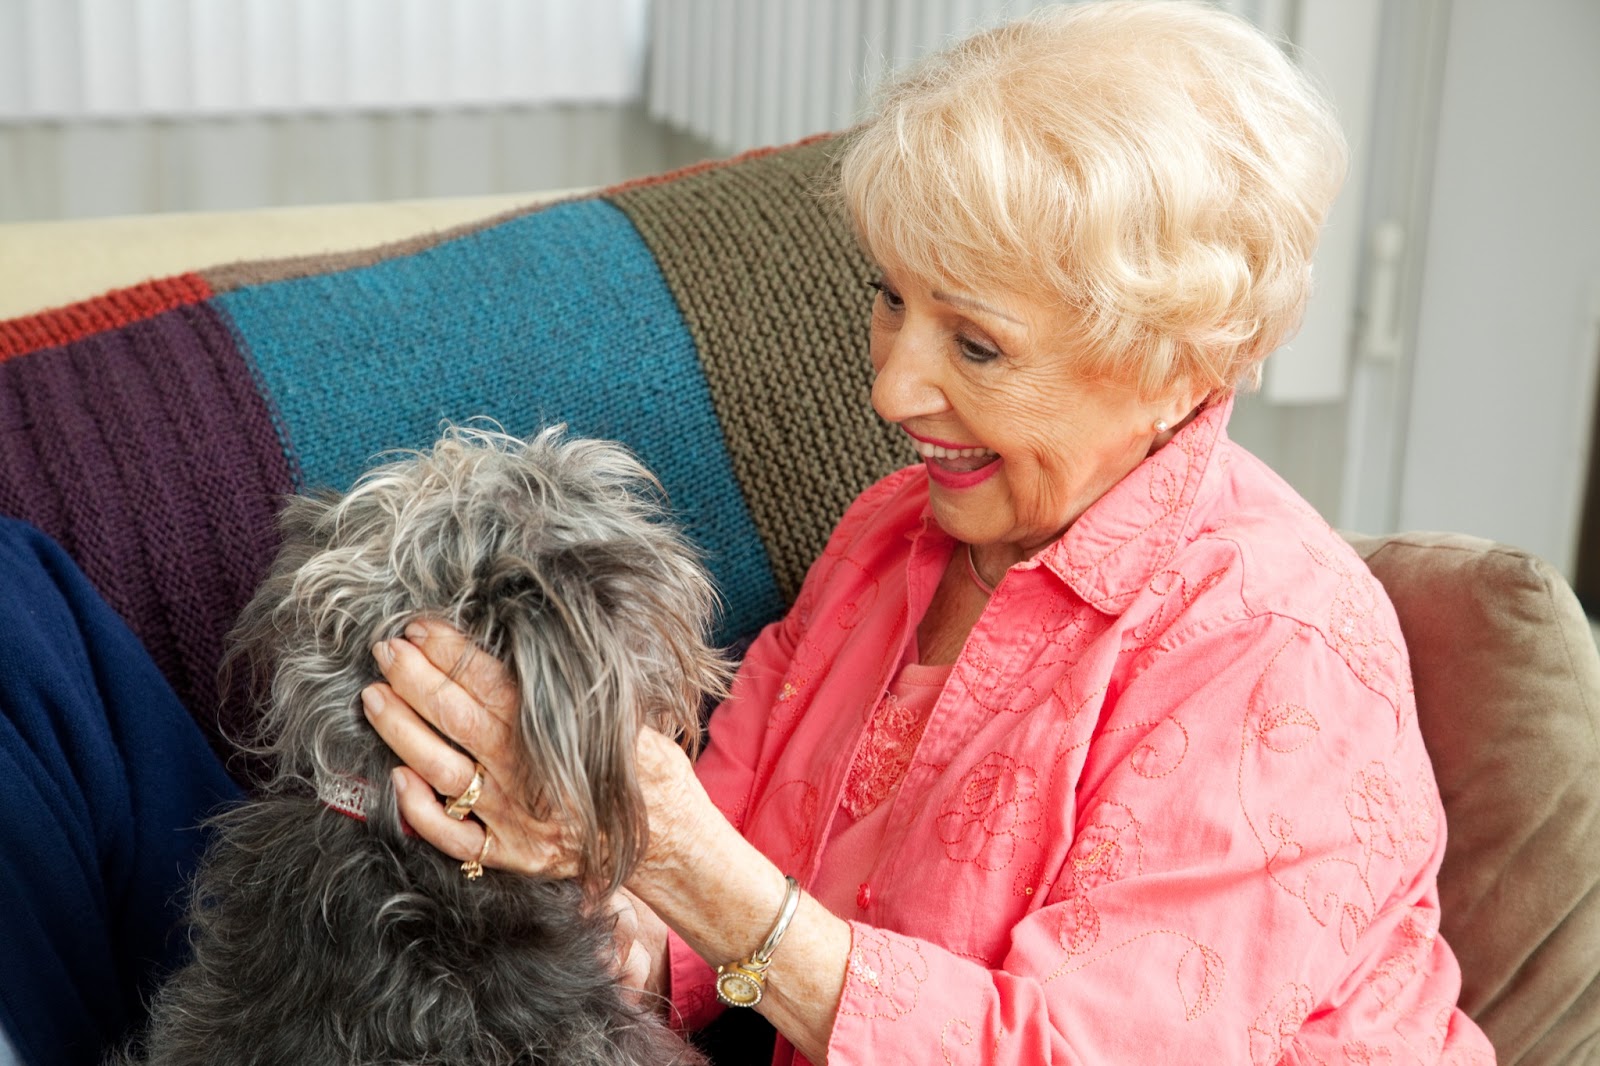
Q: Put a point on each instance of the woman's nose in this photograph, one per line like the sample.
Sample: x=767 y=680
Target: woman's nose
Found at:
x=905 y=385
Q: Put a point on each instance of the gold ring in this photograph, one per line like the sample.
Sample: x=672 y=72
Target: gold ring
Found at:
x=473 y=868
x=461 y=806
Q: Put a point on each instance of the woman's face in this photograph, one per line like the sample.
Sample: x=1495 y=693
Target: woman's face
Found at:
x=1016 y=445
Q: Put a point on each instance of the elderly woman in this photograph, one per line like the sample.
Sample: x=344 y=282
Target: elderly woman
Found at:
x=1086 y=739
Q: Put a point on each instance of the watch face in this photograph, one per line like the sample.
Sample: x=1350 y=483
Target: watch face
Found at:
x=738 y=989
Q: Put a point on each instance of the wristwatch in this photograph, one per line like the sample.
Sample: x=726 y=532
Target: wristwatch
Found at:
x=741 y=983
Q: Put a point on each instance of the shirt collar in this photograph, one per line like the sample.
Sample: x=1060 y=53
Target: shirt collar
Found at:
x=1126 y=536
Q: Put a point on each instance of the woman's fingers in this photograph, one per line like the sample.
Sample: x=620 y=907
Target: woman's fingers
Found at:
x=480 y=674
x=641 y=943
x=443 y=702
x=633 y=958
x=520 y=842
x=437 y=682
x=446 y=769
x=422 y=811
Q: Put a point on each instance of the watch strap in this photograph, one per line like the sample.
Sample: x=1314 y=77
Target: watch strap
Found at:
x=752 y=971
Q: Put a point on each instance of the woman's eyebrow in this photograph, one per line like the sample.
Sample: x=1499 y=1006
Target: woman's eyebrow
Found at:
x=958 y=300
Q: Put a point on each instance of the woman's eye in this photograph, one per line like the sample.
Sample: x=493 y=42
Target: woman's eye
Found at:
x=891 y=299
x=974 y=352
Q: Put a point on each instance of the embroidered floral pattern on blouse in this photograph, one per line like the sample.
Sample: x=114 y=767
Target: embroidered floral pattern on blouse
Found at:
x=1029 y=881
x=955 y=1039
x=1201 y=974
x=994 y=808
x=1361 y=1053
x=1161 y=751
x=1354 y=633
x=885 y=752
x=1176 y=595
x=1274 y=1029
x=1388 y=819
x=1391 y=978
x=795 y=805
x=794 y=695
x=1106 y=849
x=851 y=611
x=1172 y=477
x=1336 y=889
x=888 y=972
x=990 y=687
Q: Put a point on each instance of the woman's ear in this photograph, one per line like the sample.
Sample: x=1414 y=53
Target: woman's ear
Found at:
x=1175 y=405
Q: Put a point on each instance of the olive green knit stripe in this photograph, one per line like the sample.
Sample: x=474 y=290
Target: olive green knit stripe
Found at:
x=773 y=288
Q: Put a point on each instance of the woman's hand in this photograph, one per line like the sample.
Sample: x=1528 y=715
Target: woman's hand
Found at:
x=477 y=707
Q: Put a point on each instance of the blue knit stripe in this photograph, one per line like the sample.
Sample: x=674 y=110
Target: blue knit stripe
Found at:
x=557 y=316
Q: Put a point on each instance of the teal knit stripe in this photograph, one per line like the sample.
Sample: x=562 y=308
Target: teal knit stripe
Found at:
x=557 y=316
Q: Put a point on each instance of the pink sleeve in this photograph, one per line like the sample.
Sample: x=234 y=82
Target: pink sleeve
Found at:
x=691 y=986
x=738 y=729
x=726 y=769
x=1256 y=832
x=738 y=733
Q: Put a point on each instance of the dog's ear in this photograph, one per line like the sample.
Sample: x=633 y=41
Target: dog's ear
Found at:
x=549 y=620
x=605 y=638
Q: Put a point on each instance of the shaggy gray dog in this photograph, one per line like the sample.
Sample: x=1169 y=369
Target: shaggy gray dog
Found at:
x=322 y=938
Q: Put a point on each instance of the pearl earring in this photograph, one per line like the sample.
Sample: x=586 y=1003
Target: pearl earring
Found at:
x=1160 y=427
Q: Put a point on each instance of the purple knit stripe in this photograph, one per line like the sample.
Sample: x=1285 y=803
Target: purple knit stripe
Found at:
x=151 y=456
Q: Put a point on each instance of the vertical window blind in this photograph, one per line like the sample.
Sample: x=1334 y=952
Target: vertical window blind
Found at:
x=67 y=60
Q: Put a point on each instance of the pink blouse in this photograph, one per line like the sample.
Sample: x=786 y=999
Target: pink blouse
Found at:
x=881 y=760
x=1173 y=794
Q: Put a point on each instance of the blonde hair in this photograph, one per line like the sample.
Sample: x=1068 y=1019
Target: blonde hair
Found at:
x=1158 y=166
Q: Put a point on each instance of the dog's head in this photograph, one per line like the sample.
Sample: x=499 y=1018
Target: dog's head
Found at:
x=555 y=556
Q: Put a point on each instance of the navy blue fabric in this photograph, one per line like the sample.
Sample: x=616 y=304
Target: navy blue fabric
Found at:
x=103 y=779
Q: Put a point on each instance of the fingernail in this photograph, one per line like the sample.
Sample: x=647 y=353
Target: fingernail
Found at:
x=416 y=631
x=382 y=652
x=370 y=700
x=398 y=780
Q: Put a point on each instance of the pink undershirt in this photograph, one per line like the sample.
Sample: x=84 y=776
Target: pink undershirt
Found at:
x=843 y=881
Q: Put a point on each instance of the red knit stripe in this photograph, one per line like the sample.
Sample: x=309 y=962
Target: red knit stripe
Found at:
x=63 y=325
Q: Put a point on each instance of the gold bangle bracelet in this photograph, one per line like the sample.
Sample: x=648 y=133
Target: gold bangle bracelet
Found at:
x=742 y=983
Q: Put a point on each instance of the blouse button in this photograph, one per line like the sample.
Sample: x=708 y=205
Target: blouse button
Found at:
x=863 y=896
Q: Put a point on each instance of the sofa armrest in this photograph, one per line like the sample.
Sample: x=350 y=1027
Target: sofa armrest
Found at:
x=1507 y=683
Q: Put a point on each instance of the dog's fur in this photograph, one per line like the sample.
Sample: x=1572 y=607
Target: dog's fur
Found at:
x=322 y=939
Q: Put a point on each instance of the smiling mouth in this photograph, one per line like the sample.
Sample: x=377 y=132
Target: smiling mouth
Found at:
x=954 y=460
x=953 y=467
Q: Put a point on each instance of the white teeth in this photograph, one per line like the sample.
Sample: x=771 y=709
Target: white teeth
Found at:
x=934 y=451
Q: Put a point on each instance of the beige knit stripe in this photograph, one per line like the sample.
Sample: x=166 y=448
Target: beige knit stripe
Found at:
x=230 y=276
x=773 y=288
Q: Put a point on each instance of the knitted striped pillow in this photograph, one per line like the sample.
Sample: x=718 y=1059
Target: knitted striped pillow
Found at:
x=714 y=320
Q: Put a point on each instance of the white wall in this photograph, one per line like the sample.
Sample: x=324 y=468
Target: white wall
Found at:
x=1503 y=386
x=87 y=169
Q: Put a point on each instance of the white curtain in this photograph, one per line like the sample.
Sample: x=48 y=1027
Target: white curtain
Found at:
x=743 y=73
x=65 y=60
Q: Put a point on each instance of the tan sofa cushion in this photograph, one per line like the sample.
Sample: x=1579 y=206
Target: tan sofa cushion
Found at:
x=1508 y=681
